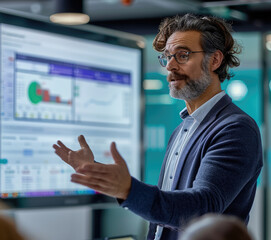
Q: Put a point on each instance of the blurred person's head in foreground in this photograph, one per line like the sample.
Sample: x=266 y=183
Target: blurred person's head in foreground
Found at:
x=8 y=229
x=216 y=227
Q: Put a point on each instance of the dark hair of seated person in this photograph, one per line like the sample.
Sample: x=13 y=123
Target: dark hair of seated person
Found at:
x=8 y=229
x=216 y=227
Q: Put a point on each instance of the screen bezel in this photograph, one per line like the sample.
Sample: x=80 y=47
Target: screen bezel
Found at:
x=87 y=32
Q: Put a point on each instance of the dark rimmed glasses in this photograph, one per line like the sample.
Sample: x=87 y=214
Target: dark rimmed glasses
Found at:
x=181 y=57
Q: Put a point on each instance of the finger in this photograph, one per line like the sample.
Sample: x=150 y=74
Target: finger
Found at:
x=115 y=154
x=59 y=149
x=96 y=184
x=62 y=145
x=97 y=180
x=105 y=177
x=82 y=141
x=94 y=187
x=92 y=169
x=95 y=168
x=84 y=182
x=56 y=147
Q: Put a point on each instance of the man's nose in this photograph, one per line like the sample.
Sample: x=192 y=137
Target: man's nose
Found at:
x=172 y=64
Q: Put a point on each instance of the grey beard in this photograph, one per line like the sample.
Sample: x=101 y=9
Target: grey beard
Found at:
x=192 y=89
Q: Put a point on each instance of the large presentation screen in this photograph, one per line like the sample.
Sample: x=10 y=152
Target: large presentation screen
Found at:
x=58 y=86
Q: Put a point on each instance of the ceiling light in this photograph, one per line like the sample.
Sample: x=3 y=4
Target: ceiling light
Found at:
x=152 y=84
x=69 y=12
x=126 y=2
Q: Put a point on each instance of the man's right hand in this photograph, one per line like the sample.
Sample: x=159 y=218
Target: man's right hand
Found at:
x=78 y=158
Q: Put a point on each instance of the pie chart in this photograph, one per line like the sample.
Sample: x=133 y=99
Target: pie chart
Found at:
x=33 y=93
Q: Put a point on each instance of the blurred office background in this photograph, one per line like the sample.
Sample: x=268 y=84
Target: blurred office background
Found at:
x=249 y=89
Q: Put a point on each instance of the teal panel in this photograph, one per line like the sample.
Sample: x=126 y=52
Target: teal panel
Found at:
x=153 y=165
x=158 y=114
x=252 y=102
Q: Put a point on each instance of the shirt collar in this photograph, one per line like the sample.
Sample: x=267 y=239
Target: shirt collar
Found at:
x=203 y=110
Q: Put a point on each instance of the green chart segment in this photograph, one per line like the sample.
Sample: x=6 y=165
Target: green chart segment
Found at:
x=33 y=95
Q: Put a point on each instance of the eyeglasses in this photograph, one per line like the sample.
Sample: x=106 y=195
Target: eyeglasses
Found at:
x=180 y=57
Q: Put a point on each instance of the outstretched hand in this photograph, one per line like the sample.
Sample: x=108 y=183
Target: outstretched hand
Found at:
x=110 y=179
x=75 y=158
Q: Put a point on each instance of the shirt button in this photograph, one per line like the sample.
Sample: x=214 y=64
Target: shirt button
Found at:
x=126 y=208
x=170 y=177
x=176 y=153
x=185 y=130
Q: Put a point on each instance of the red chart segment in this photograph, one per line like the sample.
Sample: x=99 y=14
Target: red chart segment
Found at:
x=36 y=95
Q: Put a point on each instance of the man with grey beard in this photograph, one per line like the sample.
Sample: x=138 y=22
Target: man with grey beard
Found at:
x=193 y=87
x=213 y=158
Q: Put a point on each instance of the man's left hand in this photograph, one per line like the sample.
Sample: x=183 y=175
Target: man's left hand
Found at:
x=110 y=179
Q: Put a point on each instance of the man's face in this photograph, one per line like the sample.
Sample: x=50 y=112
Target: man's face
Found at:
x=188 y=80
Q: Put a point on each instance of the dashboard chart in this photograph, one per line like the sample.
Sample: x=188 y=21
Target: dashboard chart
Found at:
x=38 y=97
x=104 y=97
x=37 y=94
x=63 y=91
x=41 y=93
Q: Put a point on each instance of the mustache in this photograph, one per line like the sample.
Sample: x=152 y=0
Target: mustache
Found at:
x=176 y=76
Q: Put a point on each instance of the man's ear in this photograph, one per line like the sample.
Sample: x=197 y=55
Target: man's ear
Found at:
x=216 y=60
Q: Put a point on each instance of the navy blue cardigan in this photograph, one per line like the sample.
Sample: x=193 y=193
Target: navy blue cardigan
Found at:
x=217 y=172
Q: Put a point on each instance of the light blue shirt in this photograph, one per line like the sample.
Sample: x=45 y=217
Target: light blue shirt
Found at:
x=190 y=124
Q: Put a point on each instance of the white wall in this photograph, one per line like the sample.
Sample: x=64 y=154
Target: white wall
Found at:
x=256 y=216
x=67 y=223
